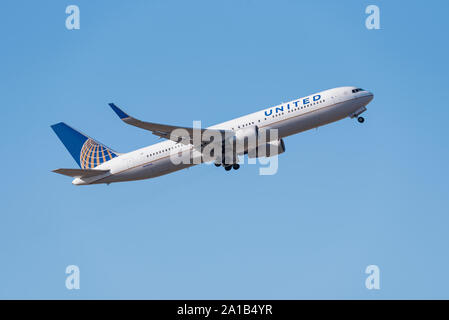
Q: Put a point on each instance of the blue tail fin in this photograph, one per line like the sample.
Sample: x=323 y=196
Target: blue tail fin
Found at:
x=87 y=152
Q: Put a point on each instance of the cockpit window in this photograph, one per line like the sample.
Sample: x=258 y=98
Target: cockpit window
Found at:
x=357 y=90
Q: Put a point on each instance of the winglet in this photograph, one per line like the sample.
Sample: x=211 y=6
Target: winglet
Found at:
x=122 y=115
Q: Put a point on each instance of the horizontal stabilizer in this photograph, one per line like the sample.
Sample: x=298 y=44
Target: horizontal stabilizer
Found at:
x=81 y=173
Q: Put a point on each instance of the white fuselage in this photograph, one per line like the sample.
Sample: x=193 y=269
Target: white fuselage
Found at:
x=288 y=118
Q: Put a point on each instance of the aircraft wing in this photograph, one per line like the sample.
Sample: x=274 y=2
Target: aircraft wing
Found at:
x=80 y=173
x=184 y=136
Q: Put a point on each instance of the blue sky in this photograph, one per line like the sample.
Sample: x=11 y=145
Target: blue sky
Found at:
x=346 y=195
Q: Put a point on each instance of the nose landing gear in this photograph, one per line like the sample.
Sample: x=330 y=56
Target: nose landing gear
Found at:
x=361 y=119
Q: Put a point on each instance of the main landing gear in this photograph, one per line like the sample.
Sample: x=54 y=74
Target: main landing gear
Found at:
x=228 y=167
x=234 y=166
x=361 y=119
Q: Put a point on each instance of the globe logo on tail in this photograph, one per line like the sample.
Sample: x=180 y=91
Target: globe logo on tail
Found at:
x=93 y=154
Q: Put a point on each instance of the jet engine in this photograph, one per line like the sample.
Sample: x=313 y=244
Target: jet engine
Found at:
x=270 y=149
x=246 y=139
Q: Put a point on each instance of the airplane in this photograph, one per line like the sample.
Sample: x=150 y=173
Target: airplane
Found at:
x=100 y=164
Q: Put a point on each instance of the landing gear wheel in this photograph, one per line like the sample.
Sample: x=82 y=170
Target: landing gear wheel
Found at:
x=361 y=119
x=236 y=166
x=217 y=164
x=228 y=167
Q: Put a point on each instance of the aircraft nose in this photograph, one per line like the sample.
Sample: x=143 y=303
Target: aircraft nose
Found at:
x=370 y=96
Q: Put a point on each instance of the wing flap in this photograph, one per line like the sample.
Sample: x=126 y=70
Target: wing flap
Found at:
x=80 y=173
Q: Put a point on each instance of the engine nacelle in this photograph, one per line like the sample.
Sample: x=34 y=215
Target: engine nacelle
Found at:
x=246 y=139
x=270 y=149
